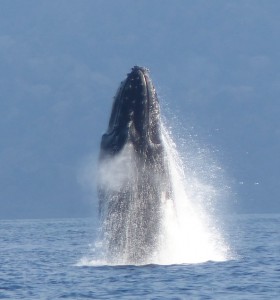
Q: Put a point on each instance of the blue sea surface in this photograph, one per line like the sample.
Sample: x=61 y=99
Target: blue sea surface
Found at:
x=39 y=259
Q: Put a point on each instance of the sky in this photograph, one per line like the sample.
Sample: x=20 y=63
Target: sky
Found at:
x=215 y=65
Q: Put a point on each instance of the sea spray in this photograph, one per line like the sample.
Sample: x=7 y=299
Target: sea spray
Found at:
x=190 y=234
x=190 y=231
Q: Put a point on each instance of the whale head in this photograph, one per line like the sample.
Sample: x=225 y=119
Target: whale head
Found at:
x=135 y=115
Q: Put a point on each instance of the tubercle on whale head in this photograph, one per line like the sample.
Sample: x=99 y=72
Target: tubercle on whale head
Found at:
x=135 y=115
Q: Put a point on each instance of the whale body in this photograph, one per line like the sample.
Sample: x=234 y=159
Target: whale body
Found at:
x=134 y=177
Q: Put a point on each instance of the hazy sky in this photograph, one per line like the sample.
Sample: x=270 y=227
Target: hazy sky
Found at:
x=215 y=64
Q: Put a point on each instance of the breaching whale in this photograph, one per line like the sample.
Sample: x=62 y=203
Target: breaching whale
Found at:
x=134 y=177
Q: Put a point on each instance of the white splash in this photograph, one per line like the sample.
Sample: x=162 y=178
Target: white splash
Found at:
x=190 y=231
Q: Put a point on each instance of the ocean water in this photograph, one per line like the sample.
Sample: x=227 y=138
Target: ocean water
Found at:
x=54 y=259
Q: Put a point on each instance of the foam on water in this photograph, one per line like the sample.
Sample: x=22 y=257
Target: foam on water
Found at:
x=190 y=231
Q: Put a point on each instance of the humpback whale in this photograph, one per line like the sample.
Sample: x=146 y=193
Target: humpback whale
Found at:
x=134 y=177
